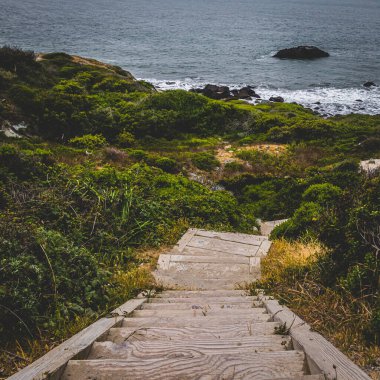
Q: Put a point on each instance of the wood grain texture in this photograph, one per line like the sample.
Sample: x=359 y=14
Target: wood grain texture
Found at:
x=256 y=313
x=202 y=305
x=216 y=299
x=223 y=246
x=201 y=293
x=185 y=239
x=121 y=334
x=51 y=365
x=193 y=347
x=233 y=237
x=258 y=366
x=194 y=322
x=193 y=251
x=321 y=355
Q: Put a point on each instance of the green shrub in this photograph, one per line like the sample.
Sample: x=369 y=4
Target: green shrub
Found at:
x=205 y=161
x=324 y=194
x=88 y=141
x=126 y=139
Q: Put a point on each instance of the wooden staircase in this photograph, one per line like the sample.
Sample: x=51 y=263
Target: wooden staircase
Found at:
x=212 y=260
x=205 y=329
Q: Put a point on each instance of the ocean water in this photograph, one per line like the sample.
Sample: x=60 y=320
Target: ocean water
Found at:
x=188 y=43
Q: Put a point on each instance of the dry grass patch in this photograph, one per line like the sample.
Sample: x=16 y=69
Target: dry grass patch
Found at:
x=290 y=273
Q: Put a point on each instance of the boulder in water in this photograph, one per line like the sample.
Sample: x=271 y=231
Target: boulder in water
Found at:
x=302 y=52
x=277 y=99
x=369 y=84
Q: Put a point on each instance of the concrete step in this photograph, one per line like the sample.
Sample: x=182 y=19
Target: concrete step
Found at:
x=201 y=305
x=183 y=321
x=167 y=348
x=121 y=334
x=242 y=366
x=259 y=313
x=203 y=300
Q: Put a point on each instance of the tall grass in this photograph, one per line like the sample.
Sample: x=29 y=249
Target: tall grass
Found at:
x=291 y=274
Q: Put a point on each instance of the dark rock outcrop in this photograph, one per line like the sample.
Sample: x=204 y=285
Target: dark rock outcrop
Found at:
x=277 y=99
x=302 y=52
x=223 y=92
x=369 y=84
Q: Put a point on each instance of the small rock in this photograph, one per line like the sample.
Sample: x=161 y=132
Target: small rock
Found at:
x=369 y=84
x=277 y=99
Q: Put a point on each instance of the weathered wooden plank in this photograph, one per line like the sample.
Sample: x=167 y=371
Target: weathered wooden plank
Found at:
x=121 y=334
x=264 y=248
x=51 y=365
x=258 y=366
x=202 y=300
x=203 y=305
x=188 y=280
x=208 y=259
x=233 y=237
x=321 y=355
x=185 y=239
x=201 y=293
x=193 y=251
x=170 y=348
x=184 y=321
x=259 y=313
x=223 y=246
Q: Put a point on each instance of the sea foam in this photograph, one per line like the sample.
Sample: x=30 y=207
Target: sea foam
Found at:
x=327 y=101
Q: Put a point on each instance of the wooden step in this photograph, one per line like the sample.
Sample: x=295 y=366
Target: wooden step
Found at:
x=260 y=366
x=121 y=334
x=181 y=263
x=202 y=305
x=203 y=300
x=201 y=293
x=304 y=377
x=192 y=280
x=193 y=251
x=233 y=237
x=257 y=313
x=182 y=321
x=223 y=246
x=167 y=348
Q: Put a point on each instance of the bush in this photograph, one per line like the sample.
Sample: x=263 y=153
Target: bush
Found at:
x=88 y=141
x=324 y=194
x=126 y=139
x=205 y=161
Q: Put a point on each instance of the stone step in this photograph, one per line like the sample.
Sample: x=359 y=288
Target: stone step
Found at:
x=167 y=348
x=261 y=366
x=201 y=293
x=258 y=313
x=183 y=321
x=202 y=305
x=203 y=300
x=121 y=334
